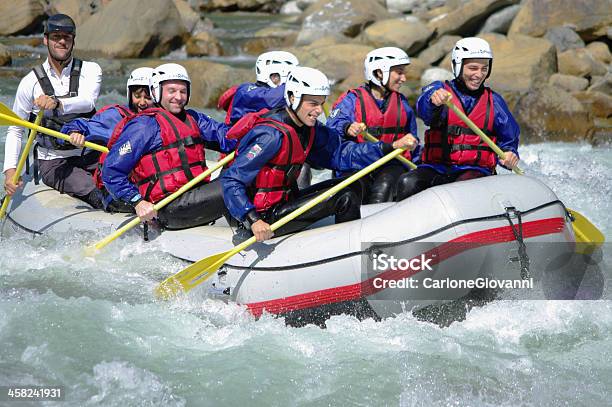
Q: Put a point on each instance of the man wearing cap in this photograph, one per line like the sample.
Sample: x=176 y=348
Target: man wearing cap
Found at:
x=65 y=88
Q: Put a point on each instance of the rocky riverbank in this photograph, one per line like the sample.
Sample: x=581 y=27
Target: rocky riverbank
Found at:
x=552 y=57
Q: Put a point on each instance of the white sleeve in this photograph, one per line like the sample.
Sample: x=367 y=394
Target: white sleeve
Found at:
x=23 y=106
x=89 y=89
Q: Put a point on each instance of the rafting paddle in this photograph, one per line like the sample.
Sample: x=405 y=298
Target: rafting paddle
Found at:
x=10 y=118
x=201 y=270
x=373 y=139
x=480 y=133
x=584 y=230
x=90 y=251
x=22 y=161
x=403 y=159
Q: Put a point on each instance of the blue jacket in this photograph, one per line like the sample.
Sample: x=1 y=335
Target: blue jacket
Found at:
x=252 y=97
x=141 y=136
x=343 y=115
x=506 y=129
x=263 y=142
x=97 y=129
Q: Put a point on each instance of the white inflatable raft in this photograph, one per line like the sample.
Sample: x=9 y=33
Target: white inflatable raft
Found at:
x=503 y=227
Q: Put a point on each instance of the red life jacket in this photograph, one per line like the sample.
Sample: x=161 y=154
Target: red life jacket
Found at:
x=387 y=126
x=276 y=178
x=456 y=144
x=180 y=159
x=125 y=115
x=123 y=111
x=226 y=102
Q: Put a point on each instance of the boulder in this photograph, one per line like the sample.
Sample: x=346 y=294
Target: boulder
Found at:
x=569 y=83
x=564 y=38
x=410 y=36
x=270 y=38
x=337 y=61
x=332 y=39
x=600 y=51
x=210 y=80
x=552 y=114
x=602 y=132
x=203 y=44
x=304 y=4
x=415 y=70
x=5 y=56
x=21 y=17
x=466 y=19
x=258 y=46
x=500 y=21
x=426 y=14
x=236 y=5
x=351 y=82
x=435 y=74
x=188 y=15
x=112 y=33
x=602 y=84
x=598 y=103
x=205 y=24
x=77 y=9
x=580 y=62
x=434 y=53
x=521 y=62
x=345 y=17
x=290 y=8
x=429 y=9
x=402 y=6
x=590 y=18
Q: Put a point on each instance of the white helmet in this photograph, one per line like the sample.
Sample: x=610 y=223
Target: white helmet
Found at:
x=383 y=59
x=305 y=81
x=471 y=47
x=272 y=62
x=167 y=72
x=138 y=77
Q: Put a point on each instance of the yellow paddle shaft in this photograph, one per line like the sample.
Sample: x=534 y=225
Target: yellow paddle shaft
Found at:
x=199 y=271
x=480 y=133
x=373 y=139
x=32 y=126
x=22 y=161
x=91 y=250
x=403 y=159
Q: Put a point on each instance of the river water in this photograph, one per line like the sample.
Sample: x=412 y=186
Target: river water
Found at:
x=95 y=328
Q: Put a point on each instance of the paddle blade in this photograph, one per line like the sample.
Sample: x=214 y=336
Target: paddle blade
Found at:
x=191 y=276
x=584 y=230
x=90 y=251
x=4 y=109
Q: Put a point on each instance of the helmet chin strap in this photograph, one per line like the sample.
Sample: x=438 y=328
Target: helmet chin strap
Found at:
x=463 y=87
x=382 y=89
x=295 y=116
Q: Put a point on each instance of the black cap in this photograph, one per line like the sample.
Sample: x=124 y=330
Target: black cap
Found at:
x=60 y=23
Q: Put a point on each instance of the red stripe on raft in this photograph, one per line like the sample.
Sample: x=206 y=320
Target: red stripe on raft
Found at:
x=443 y=252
